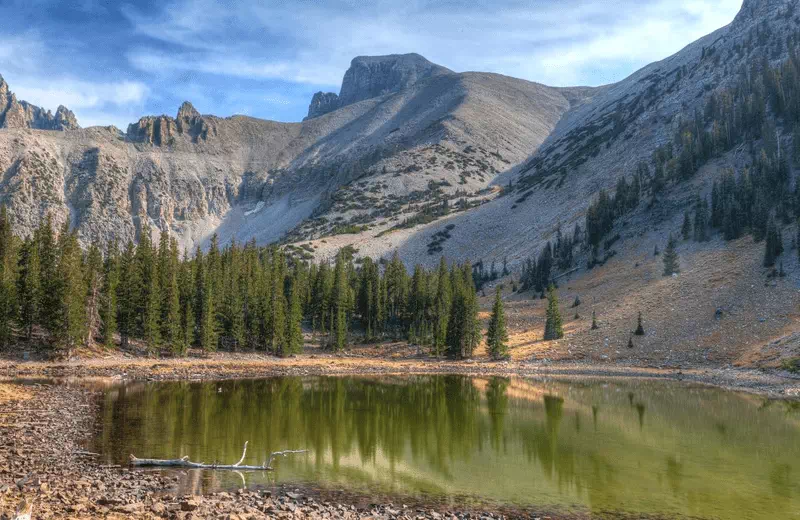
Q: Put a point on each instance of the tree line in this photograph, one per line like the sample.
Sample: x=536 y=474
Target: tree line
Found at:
x=236 y=297
x=759 y=112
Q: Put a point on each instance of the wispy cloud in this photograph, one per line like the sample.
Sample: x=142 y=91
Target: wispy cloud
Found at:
x=25 y=61
x=118 y=61
x=560 y=42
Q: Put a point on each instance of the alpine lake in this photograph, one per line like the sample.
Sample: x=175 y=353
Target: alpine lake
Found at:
x=638 y=447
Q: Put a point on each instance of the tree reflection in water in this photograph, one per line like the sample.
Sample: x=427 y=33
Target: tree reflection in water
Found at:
x=494 y=438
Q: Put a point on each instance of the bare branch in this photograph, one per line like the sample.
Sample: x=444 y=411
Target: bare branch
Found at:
x=184 y=462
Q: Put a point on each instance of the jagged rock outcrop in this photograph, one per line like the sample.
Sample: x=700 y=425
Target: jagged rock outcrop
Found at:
x=20 y=114
x=65 y=119
x=154 y=130
x=373 y=76
x=163 y=130
x=322 y=103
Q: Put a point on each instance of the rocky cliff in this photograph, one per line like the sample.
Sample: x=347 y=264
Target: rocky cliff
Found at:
x=20 y=114
x=373 y=76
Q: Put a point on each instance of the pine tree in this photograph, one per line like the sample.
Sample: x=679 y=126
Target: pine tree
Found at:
x=187 y=298
x=630 y=342
x=671 y=258
x=368 y=302
x=234 y=297
x=29 y=286
x=396 y=279
x=640 y=326
x=773 y=247
x=553 y=328
x=209 y=335
x=172 y=326
x=208 y=331
x=51 y=290
x=71 y=329
x=701 y=220
x=93 y=275
x=442 y=305
x=686 y=230
x=108 y=295
x=497 y=335
x=148 y=301
x=339 y=314
x=127 y=294
x=595 y=326
x=294 y=331
x=277 y=324
x=463 y=329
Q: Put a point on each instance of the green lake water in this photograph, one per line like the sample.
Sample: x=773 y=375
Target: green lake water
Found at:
x=640 y=447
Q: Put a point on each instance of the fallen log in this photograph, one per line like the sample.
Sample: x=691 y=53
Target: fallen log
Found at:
x=184 y=462
x=24 y=510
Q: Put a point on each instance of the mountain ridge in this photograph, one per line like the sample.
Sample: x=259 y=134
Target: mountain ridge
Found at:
x=21 y=114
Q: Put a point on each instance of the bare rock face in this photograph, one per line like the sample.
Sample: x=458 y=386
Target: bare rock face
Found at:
x=163 y=130
x=65 y=119
x=20 y=114
x=762 y=9
x=154 y=130
x=373 y=76
x=322 y=103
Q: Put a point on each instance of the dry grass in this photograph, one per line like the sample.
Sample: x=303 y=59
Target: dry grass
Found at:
x=9 y=393
x=680 y=313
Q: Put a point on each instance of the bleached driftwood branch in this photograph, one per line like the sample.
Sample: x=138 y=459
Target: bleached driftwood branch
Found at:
x=24 y=510
x=184 y=462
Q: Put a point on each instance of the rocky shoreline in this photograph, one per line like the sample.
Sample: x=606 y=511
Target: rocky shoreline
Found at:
x=773 y=384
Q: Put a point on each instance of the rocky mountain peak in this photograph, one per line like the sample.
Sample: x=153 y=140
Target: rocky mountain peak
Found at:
x=187 y=111
x=164 y=130
x=20 y=114
x=373 y=76
x=322 y=103
x=65 y=118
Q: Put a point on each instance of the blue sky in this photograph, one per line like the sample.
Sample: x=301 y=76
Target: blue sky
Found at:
x=112 y=61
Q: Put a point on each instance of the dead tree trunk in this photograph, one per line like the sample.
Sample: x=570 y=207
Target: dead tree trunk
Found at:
x=184 y=462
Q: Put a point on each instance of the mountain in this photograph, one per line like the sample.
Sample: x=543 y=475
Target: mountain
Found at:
x=605 y=136
x=20 y=114
x=408 y=151
x=413 y=131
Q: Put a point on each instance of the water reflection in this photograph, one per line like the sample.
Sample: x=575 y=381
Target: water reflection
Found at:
x=653 y=447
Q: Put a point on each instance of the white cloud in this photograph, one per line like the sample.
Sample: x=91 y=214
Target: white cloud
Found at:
x=78 y=95
x=562 y=42
x=27 y=63
x=225 y=64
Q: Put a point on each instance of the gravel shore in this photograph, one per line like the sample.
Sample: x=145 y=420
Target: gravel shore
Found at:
x=773 y=384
